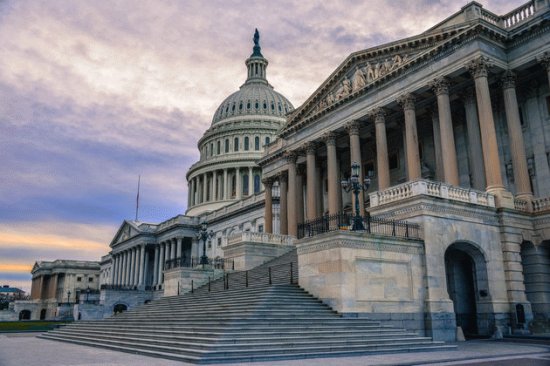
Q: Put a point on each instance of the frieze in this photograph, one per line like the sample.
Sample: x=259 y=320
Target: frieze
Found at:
x=356 y=244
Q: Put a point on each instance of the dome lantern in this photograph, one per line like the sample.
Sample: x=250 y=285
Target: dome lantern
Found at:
x=256 y=63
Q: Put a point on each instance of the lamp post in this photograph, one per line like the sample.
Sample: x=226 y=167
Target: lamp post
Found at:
x=353 y=184
x=87 y=293
x=69 y=297
x=204 y=235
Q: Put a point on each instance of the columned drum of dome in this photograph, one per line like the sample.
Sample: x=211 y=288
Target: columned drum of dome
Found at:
x=242 y=125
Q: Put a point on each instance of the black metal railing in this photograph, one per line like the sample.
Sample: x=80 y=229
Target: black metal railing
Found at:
x=371 y=225
x=278 y=274
x=123 y=288
x=192 y=262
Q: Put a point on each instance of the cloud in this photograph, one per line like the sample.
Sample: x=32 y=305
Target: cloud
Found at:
x=93 y=94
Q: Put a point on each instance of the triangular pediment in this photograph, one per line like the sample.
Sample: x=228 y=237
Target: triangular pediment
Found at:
x=126 y=231
x=372 y=67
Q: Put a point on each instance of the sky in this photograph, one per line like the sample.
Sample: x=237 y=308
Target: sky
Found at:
x=94 y=94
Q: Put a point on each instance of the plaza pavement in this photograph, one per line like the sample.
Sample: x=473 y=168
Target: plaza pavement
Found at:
x=24 y=349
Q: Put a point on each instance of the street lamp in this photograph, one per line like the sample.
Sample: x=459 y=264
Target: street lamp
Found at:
x=353 y=184
x=204 y=235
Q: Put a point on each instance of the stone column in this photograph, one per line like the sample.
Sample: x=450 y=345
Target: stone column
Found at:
x=120 y=263
x=132 y=271
x=352 y=128
x=172 y=248
x=474 y=141
x=238 y=184
x=145 y=267
x=479 y=70
x=411 y=136
x=178 y=247
x=125 y=269
x=291 y=195
x=300 y=194
x=544 y=59
x=311 y=182
x=161 y=264
x=382 y=159
x=156 y=266
x=439 y=176
x=141 y=265
x=250 y=181
x=204 y=187
x=268 y=208
x=215 y=186
x=283 y=203
x=332 y=173
x=515 y=134
x=448 y=149
x=113 y=270
x=167 y=252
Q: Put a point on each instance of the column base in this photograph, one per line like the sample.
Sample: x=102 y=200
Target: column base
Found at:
x=503 y=198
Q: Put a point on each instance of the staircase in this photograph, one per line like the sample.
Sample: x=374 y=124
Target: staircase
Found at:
x=235 y=323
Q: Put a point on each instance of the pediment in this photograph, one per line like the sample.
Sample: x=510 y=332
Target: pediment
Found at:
x=366 y=69
x=126 y=231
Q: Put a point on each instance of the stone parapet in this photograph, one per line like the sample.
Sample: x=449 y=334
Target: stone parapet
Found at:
x=434 y=189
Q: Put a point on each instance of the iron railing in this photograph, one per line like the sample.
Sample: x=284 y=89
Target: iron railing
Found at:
x=123 y=288
x=278 y=274
x=192 y=262
x=371 y=225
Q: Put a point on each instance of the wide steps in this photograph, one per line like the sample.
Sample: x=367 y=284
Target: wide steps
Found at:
x=255 y=323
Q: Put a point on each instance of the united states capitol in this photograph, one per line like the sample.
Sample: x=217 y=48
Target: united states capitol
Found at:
x=411 y=190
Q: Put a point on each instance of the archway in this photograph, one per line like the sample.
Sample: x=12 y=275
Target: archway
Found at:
x=119 y=308
x=25 y=315
x=42 y=314
x=467 y=285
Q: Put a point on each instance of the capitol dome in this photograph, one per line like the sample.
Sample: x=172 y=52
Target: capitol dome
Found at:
x=243 y=124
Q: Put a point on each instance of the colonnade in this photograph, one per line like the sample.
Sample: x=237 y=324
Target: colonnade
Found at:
x=130 y=267
x=221 y=185
x=482 y=138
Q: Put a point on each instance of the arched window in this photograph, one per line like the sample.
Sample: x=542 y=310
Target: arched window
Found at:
x=256 y=183
x=246 y=143
x=267 y=140
x=212 y=149
x=226 y=145
x=245 y=184
x=257 y=143
x=218 y=148
x=206 y=151
x=236 y=144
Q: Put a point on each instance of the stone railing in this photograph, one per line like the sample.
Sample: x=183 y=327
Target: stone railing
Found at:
x=264 y=238
x=521 y=205
x=180 y=219
x=541 y=204
x=517 y=15
x=434 y=189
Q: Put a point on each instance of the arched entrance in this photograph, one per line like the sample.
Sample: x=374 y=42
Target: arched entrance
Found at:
x=467 y=285
x=119 y=308
x=25 y=315
x=42 y=314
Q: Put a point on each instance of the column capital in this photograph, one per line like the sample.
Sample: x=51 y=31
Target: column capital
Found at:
x=479 y=67
x=406 y=101
x=508 y=80
x=329 y=138
x=310 y=147
x=290 y=157
x=352 y=127
x=545 y=60
x=440 y=85
x=378 y=114
x=268 y=182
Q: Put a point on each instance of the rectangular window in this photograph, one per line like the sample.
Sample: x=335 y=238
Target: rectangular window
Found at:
x=79 y=279
x=219 y=242
x=260 y=228
x=236 y=144
x=90 y=279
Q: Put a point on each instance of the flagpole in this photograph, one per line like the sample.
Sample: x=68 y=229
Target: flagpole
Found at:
x=137 y=197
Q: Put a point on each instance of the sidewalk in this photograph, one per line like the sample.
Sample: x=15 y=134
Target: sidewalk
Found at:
x=27 y=350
